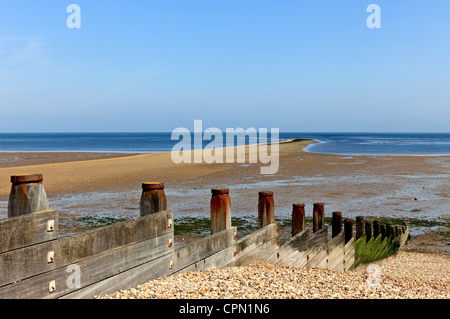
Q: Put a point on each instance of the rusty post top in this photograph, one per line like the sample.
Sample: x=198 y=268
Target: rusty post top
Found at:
x=337 y=214
x=153 y=185
x=31 y=178
x=318 y=204
x=300 y=205
x=359 y=218
x=217 y=191
x=261 y=194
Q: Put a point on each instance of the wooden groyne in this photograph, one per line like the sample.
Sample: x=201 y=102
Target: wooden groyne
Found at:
x=36 y=263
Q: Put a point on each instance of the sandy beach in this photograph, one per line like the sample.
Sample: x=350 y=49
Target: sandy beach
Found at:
x=105 y=184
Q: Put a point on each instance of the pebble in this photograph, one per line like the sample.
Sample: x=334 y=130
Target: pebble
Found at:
x=406 y=275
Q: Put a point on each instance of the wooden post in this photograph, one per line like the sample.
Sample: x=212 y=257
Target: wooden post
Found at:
x=153 y=198
x=398 y=231
x=318 y=216
x=383 y=232
x=336 y=224
x=376 y=228
x=266 y=209
x=27 y=195
x=298 y=218
x=388 y=230
x=220 y=210
x=359 y=226
x=392 y=230
x=348 y=229
x=368 y=230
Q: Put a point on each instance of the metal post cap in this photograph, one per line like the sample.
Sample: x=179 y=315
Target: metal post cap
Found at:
x=265 y=193
x=24 y=178
x=217 y=191
x=153 y=185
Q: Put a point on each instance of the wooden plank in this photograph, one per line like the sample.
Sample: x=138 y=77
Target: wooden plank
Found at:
x=27 y=230
x=300 y=260
x=293 y=251
x=254 y=240
x=297 y=242
x=217 y=260
x=317 y=258
x=336 y=252
x=317 y=247
x=125 y=280
x=97 y=241
x=336 y=241
x=91 y=270
x=22 y=263
x=350 y=246
x=404 y=236
x=349 y=262
x=266 y=252
x=349 y=251
x=317 y=239
x=200 y=249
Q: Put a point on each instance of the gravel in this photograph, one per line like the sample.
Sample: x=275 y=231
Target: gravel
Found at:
x=409 y=274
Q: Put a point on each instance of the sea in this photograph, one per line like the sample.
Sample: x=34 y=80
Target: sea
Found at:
x=411 y=144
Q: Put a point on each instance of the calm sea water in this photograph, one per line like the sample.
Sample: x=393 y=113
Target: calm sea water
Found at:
x=430 y=144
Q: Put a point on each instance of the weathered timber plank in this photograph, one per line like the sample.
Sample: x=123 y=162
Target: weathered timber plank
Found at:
x=247 y=244
x=336 y=254
x=404 y=236
x=317 y=258
x=349 y=252
x=336 y=241
x=256 y=239
x=348 y=257
x=128 y=279
x=350 y=247
x=91 y=270
x=217 y=260
x=297 y=242
x=200 y=249
x=22 y=263
x=93 y=242
x=266 y=252
x=317 y=247
x=318 y=239
x=349 y=262
x=22 y=231
x=293 y=251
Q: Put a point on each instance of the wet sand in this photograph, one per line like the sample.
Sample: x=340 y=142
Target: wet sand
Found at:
x=17 y=159
x=110 y=184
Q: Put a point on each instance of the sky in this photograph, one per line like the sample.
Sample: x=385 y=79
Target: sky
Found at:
x=156 y=65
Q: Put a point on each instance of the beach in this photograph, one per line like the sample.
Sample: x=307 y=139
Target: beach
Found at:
x=412 y=188
x=107 y=184
x=407 y=275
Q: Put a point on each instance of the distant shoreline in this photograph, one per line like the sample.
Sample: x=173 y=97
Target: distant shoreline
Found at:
x=350 y=144
x=29 y=158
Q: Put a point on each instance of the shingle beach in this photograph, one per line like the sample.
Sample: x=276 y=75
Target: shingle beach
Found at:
x=408 y=275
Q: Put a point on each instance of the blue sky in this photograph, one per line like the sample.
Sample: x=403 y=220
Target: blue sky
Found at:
x=307 y=66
